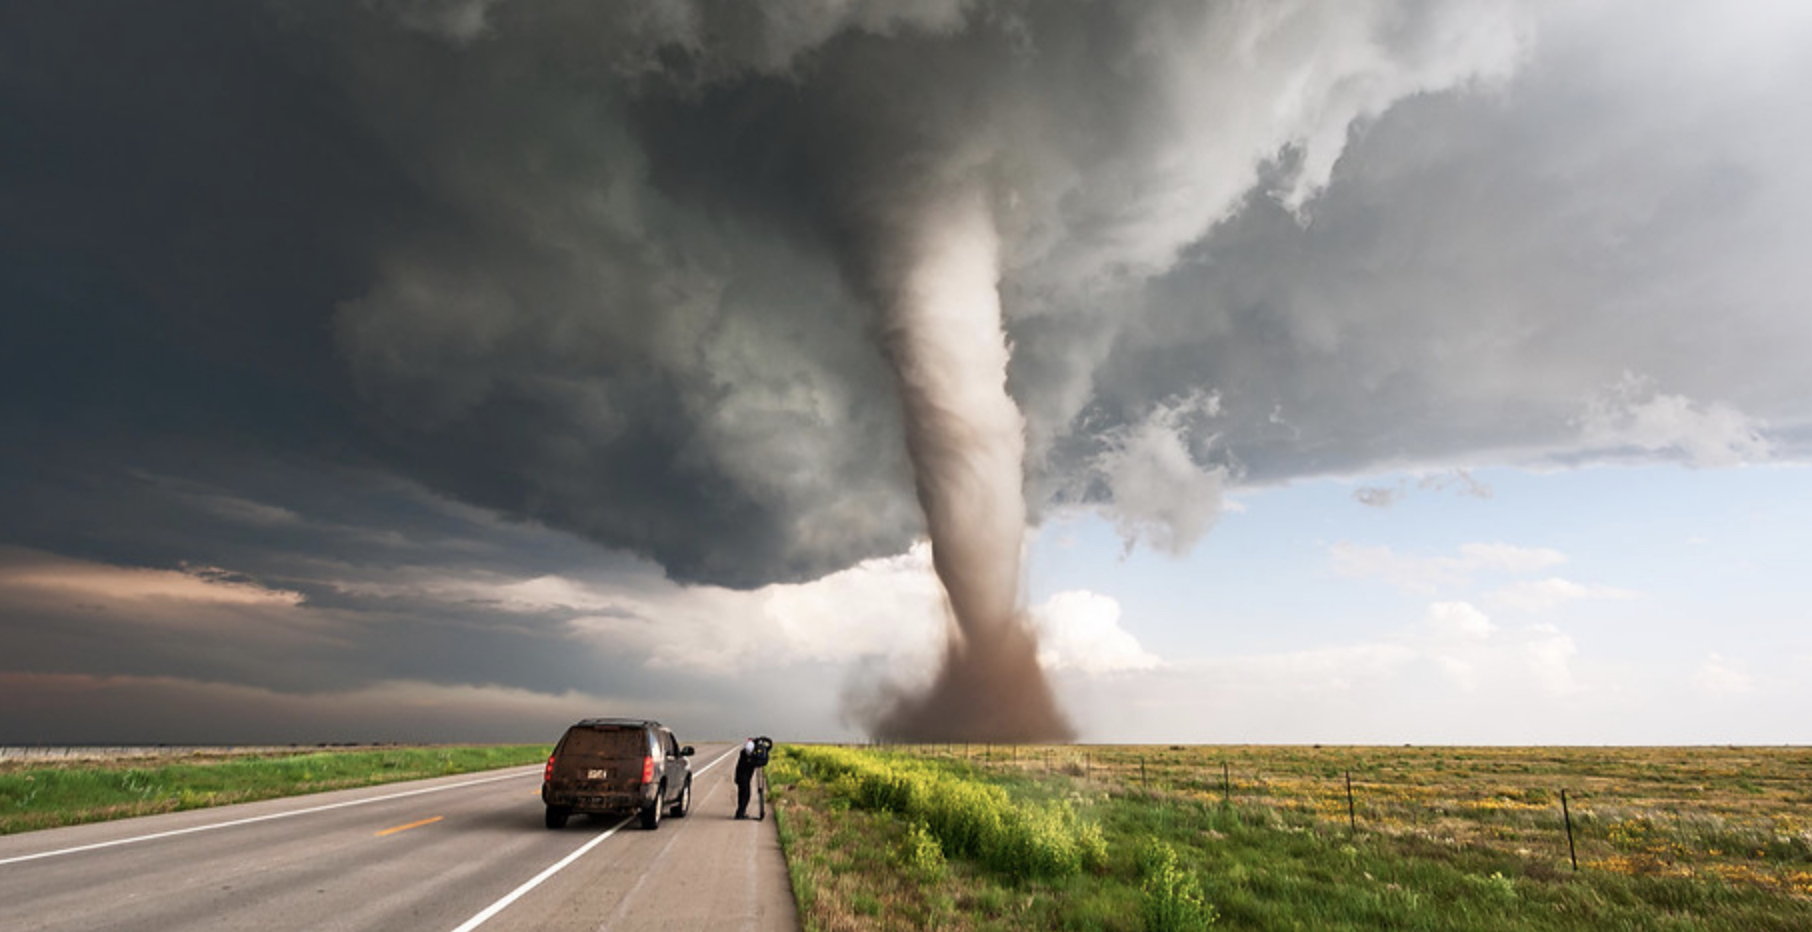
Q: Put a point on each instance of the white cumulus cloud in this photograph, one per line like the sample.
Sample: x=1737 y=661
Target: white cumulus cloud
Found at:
x=1633 y=413
x=1159 y=492
x=1080 y=630
x=1549 y=654
x=1459 y=620
x=1720 y=676
x=1426 y=574
x=1543 y=594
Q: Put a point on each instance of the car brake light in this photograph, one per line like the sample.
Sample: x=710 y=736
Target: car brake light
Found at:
x=548 y=774
x=647 y=770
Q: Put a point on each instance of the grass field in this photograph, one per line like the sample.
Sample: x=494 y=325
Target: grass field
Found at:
x=1153 y=839
x=1268 y=838
x=35 y=794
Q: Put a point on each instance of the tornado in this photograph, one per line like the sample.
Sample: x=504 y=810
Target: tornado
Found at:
x=938 y=291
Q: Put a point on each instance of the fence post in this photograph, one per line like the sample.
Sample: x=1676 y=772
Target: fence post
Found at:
x=1146 y=784
x=1567 y=816
x=1352 y=818
x=1226 y=783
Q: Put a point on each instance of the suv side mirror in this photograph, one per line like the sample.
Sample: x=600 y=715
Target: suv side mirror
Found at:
x=687 y=751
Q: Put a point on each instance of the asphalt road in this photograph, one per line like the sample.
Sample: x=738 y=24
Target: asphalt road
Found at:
x=446 y=855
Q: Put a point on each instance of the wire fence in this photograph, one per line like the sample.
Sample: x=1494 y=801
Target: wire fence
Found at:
x=1737 y=813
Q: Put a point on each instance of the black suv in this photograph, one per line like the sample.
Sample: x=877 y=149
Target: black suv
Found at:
x=618 y=765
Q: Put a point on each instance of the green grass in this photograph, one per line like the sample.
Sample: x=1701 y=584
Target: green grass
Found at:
x=961 y=813
x=1461 y=841
x=44 y=796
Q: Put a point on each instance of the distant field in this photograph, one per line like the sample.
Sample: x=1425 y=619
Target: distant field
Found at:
x=47 y=789
x=1173 y=837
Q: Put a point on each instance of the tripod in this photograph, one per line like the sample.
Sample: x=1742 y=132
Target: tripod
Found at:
x=761 y=793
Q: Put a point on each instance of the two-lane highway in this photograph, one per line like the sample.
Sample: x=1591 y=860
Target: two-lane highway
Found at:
x=456 y=853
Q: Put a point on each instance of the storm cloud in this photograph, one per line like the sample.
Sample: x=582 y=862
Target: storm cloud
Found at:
x=332 y=296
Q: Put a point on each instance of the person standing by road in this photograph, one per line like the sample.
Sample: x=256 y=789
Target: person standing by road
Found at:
x=753 y=757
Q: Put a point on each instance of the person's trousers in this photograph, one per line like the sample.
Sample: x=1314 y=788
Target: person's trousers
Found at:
x=744 y=774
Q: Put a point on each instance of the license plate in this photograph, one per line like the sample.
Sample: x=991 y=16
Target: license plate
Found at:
x=596 y=774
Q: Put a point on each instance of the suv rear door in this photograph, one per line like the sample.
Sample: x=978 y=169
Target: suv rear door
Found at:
x=604 y=759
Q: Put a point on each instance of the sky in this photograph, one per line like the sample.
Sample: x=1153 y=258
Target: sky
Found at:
x=449 y=370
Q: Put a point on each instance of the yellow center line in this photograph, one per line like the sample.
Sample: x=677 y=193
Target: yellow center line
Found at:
x=404 y=828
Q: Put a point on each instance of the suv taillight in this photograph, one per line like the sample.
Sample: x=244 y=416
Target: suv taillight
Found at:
x=647 y=770
x=548 y=774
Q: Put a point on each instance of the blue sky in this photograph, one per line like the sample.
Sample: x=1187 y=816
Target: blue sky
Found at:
x=1682 y=592
x=1683 y=540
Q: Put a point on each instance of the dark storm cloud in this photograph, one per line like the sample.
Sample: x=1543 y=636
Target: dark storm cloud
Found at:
x=313 y=292
x=1485 y=272
x=347 y=606
x=322 y=234
x=608 y=271
x=353 y=564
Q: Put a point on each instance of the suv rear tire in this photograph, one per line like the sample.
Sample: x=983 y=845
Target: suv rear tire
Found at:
x=684 y=805
x=651 y=813
x=556 y=816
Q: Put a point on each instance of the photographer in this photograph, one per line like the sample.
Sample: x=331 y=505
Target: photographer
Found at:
x=753 y=757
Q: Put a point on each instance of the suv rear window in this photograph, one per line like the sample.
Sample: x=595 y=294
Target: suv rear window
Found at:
x=607 y=742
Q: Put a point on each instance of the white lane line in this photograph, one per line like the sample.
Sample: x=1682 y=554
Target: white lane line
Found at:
x=557 y=867
x=522 y=772
x=536 y=881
